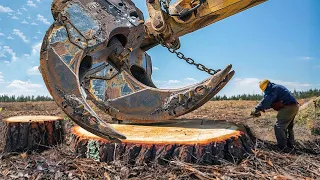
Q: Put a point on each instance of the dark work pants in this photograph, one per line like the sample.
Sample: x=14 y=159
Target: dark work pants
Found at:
x=284 y=126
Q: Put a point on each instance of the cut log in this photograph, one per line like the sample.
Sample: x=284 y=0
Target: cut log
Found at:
x=33 y=133
x=192 y=141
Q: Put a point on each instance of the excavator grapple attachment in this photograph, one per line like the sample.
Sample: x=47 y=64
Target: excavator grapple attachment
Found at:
x=95 y=51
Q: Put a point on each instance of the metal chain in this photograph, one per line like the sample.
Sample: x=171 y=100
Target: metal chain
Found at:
x=189 y=60
x=165 y=4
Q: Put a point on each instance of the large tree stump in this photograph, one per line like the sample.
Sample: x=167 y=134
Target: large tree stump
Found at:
x=33 y=133
x=193 y=141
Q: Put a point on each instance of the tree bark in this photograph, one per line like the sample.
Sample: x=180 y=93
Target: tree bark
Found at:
x=33 y=133
x=192 y=141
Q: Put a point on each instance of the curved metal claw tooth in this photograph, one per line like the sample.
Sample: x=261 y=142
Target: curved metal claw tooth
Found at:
x=152 y=104
x=214 y=92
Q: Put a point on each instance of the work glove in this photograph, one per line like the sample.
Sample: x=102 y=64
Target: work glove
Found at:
x=255 y=113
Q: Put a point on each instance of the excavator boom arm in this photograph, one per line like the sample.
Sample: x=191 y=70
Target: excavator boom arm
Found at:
x=186 y=16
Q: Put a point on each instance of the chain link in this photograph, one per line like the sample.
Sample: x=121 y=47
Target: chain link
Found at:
x=189 y=60
x=165 y=4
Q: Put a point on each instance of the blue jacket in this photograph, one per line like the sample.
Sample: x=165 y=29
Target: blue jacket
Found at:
x=275 y=93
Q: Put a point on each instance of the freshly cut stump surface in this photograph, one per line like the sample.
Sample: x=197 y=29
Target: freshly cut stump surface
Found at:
x=33 y=133
x=192 y=141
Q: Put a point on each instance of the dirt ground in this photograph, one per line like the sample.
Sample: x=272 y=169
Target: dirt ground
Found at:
x=265 y=162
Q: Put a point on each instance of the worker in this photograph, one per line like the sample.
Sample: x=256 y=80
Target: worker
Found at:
x=280 y=99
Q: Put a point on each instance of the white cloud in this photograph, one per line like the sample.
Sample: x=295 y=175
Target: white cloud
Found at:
x=31 y=4
x=306 y=58
x=34 y=24
x=10 y=37
x=14 y=17
x=174 y=84
x=243 y=86
x=21 y=35
x=18 y=87
x=36 y=48
x=10 y=51
x=19 y=12
x=5 y=9
x=251 y=86
x=1 y=78
x=38 y=1
x=24 y=22
x=6 y=62
x=29 y=17
x=190 y=79
x=26 y=55
x=34 y=71
x=43 y=19
x=35 y=37
x=1 y=34
x=23 y=8
x=38 y=32
x=294 y=85
x=173 y=81
x=155 y=68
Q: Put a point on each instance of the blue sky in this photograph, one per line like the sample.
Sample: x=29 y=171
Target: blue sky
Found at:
x=278 y=40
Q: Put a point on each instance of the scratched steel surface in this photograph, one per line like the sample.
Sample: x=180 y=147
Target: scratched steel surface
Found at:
x=93 y=51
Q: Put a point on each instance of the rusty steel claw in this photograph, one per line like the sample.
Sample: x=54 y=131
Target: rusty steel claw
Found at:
x=149 y=104
x=63 y=84
x=94 y=51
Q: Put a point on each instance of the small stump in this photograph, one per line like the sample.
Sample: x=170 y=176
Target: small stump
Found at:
x=33 y=133
x=192 y=141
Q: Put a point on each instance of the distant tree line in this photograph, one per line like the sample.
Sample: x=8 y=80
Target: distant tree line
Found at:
x=296 y=94
x=6 y=98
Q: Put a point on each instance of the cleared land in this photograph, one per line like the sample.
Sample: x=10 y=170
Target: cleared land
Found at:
x=264 y=163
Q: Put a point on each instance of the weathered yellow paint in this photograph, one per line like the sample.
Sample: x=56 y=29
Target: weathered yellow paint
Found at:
x=210 y=12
